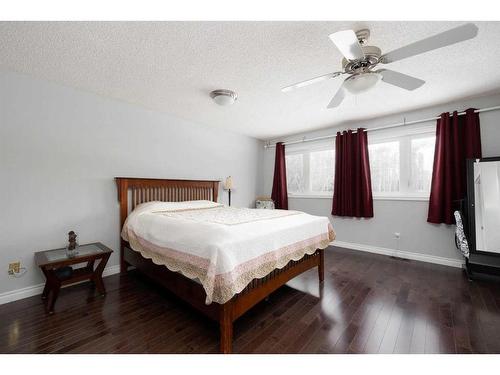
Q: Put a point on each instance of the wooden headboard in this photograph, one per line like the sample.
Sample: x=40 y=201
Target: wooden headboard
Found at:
x=133 y=191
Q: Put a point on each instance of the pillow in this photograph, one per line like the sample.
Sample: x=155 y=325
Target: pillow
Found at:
x=157 y=206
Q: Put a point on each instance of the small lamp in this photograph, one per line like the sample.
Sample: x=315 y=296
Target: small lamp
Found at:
x=228 y=185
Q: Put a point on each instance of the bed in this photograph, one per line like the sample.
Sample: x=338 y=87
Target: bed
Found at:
x=220 y=260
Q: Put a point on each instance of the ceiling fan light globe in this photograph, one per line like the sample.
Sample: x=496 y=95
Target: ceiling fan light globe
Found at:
x=362 y=82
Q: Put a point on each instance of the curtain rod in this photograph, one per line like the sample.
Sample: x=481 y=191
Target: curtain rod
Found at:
x=404 y=123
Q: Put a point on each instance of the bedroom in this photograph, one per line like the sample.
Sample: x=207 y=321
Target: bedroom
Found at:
x=138 y=159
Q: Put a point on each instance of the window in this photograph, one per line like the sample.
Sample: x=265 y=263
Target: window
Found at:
x=322 y=170
x=422 y=161
x=295 y=173
x=384 y=166
x=402 y=166
x=310 y=172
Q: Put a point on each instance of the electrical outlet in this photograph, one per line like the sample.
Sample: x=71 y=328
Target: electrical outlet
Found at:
x=14 y=268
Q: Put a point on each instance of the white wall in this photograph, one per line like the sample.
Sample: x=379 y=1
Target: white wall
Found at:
x=406 y=217
x=60 y=149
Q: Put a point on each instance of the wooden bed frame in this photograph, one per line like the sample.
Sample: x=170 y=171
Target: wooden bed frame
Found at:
x=134 y=191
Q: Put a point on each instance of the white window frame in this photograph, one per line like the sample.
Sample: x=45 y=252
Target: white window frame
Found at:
x=306 y=151
x=404 y=162
x=403 y=134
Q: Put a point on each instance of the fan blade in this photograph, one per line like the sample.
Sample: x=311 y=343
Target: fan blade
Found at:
x=347 y=43
x=452 y=36
x=399 y=79
x=338 y=98
x=311 y=81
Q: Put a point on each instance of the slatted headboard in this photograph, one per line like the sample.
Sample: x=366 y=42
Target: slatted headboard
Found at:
x=134 y=191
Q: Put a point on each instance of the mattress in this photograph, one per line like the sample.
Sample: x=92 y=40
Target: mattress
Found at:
x=224 y=248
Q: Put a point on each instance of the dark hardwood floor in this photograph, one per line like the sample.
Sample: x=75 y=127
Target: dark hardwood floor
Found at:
x=367 y=304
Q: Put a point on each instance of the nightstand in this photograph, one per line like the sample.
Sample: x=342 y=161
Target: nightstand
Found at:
x=56 y=266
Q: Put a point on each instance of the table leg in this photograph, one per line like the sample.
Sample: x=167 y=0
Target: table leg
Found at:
x=97 y=276
x=99 y=284
x=54 y=287
x=90 y=265
x=46 y=288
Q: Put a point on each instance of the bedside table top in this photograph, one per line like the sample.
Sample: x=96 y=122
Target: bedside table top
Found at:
x=59 y=256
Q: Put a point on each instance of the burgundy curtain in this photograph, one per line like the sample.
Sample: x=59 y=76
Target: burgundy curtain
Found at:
x=457 y=138
x=280 y=194
x=353 y=188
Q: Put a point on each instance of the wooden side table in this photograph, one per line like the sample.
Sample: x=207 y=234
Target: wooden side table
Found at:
x=52 y=262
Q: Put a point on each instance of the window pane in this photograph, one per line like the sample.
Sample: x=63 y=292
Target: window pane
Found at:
x=322 y=171
x=422 y=160
x=384 y=166
x=295 y=173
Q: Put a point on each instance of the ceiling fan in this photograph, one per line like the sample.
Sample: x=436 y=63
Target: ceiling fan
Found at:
x=360 y=60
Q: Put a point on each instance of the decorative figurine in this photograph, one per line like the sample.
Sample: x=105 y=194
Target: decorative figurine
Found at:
x=72 y=240
x=72 y=244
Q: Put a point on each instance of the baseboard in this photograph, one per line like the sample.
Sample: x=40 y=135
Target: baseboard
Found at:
x=400 y=254
x=34 y=290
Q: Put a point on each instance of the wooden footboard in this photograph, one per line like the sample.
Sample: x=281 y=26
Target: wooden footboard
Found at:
x=193 y=293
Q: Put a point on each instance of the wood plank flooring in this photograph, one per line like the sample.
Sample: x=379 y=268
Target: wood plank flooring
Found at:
x=367 y=304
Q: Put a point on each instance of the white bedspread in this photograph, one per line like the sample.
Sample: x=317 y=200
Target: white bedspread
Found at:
x=224 y=248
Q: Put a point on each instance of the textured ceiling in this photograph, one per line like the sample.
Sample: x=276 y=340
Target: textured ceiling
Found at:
x=172 y=66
